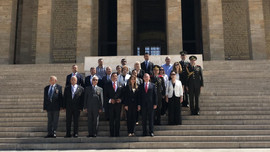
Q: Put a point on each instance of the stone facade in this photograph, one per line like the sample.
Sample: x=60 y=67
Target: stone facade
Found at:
x=60 y=31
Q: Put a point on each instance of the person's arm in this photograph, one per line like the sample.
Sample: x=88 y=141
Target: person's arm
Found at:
x=60 y=97
x=201 y=74
x=82 y=100
x=44 y=99
x=101 y=99
x=154 y=96
x=85 y=98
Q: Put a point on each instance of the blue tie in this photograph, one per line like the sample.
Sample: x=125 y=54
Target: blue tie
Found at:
x=51 y=93
x=146 y=64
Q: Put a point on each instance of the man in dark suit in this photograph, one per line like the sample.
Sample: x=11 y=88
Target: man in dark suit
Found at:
x=147 y=103
x=53 y=100
x=102 y=83
x=113 y=96
x=77 y=74
x=93 y=105
x=194 y=83
x=183 y=77
x=73 y=103
x=88 y=79
x=147 y=66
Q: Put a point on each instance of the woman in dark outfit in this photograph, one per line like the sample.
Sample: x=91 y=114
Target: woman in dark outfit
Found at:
x=174 y=97
x=131 y=97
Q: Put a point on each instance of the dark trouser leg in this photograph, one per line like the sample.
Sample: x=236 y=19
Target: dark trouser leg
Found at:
x=55 y=120
x=90 y=123
x=191 y=100
x=106 y=107
x=144 y=120
x=177 y=111
x=185 y=98
x=112 y=117
x=68 y=121
x=95 y=122
x=117 y=119
x=131 y=118
x=170 y=111
x=50 y=122
x=197 y=94
x=151 y=120
x=164 y=107
x=76 y=116
x=157 y=115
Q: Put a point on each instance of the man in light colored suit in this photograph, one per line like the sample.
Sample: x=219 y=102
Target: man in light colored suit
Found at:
x=93 y=106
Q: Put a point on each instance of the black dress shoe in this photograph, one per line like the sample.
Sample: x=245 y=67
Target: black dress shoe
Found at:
x=67 y=136
x=48 y=136
x=75 y=135
x=95 y=135
x=54 y=136
x=152 y=135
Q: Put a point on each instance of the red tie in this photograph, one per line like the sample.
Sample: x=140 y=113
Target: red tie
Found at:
x=114 y=86
x=146 y=87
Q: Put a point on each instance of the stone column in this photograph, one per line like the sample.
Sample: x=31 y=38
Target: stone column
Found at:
x=125 y=27
x=174 y=27
x=215 y=36
x=8 y=13
x=205 y=30
x=257 y=29
x=43 y=48
x=266 y=9
x=87 y=32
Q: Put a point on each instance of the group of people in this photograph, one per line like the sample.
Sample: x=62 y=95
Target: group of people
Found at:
x=148 y=90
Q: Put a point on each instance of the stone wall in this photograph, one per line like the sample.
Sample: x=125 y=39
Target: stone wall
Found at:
x=236 y=29
x=64 y=31
x=266 y=8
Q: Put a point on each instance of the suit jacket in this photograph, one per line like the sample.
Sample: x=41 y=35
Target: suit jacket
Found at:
x=79 y=80
x=103 y=82
x=77 y=102
x=130 y=97
x=149 y=70
x=57 y=99
x=149 y=99
x=93 y=100
x=109 y=92
x=184 y=75
x=141 y=74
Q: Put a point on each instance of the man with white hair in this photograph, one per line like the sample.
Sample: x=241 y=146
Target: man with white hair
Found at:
x=52 y=102
x=73 y=103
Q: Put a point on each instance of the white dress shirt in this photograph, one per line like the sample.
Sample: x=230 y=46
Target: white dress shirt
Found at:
x=73 y=90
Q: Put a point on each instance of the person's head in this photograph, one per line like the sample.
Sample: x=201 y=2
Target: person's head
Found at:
x=168 y=60
x=74 y=68
x=192 y=60
x=134 y=72
x=146 y=77
x=100 y=62
x=93 y=70
x=156 y=70
x=146 y=56
x=114 y=76
x=95 y=80
x=177 y=67
x=132 y=81
x=137 y=65
x=124 y=62
x=118 y=69
x=161 y=71
x=53 y=80
x=108 y=70
x=183 y=55
x=73 y=80
x=124 y=70
x=173 y=76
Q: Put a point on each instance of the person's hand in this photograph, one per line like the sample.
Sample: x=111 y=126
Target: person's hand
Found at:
x=181 y=100
x=64 y=110
x=118 y=100
x=126 y=108
x=139 y=108
x=155 y=107
x=112 y=101
x=167 y=99
x=44 y=110
x=187 y=88
x=100 y=110
x=85 y=110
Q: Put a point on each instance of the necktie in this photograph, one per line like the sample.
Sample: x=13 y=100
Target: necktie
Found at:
x=114 y=86
x=146 y=64
x=146 y=87
x=51 y=93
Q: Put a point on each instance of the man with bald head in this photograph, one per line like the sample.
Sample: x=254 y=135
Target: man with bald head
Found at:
x=73 y=104
x=52 y=102
x=76 y=74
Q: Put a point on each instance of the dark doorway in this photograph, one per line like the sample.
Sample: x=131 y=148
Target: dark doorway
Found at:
x=150 y=27
x=192 y=26
x=107 y=44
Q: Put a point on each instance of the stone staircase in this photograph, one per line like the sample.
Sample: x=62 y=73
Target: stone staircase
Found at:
x=235 y=112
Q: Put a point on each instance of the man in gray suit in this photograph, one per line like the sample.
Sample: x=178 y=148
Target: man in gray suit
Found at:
x=93 y=105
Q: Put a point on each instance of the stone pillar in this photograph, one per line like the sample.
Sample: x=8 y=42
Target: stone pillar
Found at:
x=87 y=32
x=205 y=30
x=125 y=27
x=215 y=30
x=174 y=27
x=8 y=13
x=257 y=29
x=43 y=48
x=266 y=9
